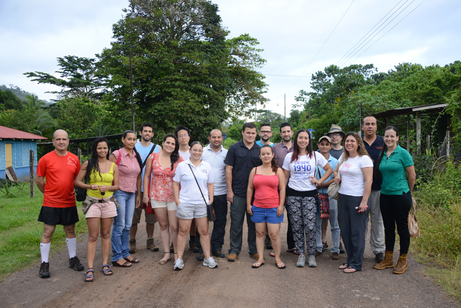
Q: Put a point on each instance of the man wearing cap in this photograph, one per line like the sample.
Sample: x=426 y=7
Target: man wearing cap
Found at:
x=374 y=144
x=337 y=136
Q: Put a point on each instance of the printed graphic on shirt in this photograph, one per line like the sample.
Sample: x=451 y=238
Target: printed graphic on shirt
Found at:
x=302 y=170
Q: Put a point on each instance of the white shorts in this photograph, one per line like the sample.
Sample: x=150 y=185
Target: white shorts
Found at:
x=191 y=211
x=170 y=205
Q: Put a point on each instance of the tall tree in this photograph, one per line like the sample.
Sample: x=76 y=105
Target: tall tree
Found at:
x=184 y=70
x=78 y=77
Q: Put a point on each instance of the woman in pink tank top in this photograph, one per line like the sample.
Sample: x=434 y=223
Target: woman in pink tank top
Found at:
x=268 y=184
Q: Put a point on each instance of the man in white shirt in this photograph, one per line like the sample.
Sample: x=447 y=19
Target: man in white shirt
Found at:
x=144 y=148
x=215 y=154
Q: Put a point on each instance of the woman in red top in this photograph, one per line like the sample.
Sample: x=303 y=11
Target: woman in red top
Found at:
x=158 y=190
x=268 y=183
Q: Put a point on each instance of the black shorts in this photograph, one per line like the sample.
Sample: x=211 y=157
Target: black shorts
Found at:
x=58 y=216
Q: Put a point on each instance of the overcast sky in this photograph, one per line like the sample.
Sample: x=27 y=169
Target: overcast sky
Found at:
x=299 y=37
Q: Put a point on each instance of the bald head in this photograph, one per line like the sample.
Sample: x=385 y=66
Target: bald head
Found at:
x=60 y=132
x=215 y=139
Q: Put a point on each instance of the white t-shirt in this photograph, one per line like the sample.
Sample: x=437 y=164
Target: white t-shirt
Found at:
x=189 y=192
x=302 y=170
x=352 y=180
x=184 y=155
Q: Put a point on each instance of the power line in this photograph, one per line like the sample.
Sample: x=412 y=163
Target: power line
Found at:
x=391 y=28
x=366 y=35
x=324 y=42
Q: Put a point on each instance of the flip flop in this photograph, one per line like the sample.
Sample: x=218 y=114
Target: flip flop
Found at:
x=272 y=254
x=280 y=265
x=343 y=266
x=126 y=264
x=257 y=265
x=106 y=269
x=134 y=260
x=293 y=251
x=89 y=275
x=350 y=270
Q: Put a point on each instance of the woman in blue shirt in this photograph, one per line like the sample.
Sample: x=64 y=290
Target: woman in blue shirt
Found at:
x=395 y=198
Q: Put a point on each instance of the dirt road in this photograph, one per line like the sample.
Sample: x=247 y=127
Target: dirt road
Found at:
x=149 y=284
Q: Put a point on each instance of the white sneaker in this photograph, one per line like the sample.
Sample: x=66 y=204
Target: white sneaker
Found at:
x=311 y=261
x=178 y=265
x=211 y=263
x=301 y=261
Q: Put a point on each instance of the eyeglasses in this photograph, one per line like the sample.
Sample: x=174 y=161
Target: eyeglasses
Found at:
x=265 y=132
x=183 y=136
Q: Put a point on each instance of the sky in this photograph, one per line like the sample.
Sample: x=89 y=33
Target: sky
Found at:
x=299 y=37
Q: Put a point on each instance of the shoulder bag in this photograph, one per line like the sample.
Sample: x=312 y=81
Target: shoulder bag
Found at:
x=209 y=207
x=412 y=222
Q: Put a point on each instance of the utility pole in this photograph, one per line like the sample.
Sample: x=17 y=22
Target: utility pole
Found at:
x=285 y=106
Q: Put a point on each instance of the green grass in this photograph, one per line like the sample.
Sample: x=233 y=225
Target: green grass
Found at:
x=20 y=232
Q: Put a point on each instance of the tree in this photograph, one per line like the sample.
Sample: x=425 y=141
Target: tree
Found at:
x=183 y=69
x=9 y=101
x=79 y=77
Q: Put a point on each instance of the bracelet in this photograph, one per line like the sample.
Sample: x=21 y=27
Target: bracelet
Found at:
x=145 y=196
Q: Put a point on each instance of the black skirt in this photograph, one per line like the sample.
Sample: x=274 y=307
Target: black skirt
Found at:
x=58 y=216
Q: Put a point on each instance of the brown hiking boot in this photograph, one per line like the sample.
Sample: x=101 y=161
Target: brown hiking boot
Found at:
x=388 y=261
x=132 y=246
x=150 y=245
x=401 y=265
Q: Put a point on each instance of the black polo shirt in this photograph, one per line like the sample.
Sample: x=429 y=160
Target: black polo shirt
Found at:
x=374 y=150
x=243 y=160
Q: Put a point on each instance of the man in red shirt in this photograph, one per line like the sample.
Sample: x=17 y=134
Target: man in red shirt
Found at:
x=60 y=168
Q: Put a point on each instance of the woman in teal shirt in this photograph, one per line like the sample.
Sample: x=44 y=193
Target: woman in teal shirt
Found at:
x=395 y=200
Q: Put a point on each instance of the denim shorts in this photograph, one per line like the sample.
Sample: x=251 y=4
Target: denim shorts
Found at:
x=261 y=215
x=191 y=211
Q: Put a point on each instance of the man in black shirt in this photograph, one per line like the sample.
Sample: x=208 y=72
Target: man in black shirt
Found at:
x=241 y=158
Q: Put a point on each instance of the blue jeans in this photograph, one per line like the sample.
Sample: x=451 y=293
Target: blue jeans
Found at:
x=122 y=225
x=335 y=231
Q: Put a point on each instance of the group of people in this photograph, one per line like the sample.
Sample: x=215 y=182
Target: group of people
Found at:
x=175 y=184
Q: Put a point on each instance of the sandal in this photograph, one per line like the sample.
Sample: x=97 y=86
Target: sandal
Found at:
x=88 y=275
x=106 y=270
x=350 y=270
x=133 y=260
x=272 y=254
x=126 y=264
x=343 y=266
x=280 y=265
x=164 y=260
x=257 y=265
x=293 y=251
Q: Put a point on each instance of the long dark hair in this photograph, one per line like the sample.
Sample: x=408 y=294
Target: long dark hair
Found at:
x=174 y=157
x=93 y=162
x=296 y=147
x=384 y=149
x=136 y=154
x=274 y=164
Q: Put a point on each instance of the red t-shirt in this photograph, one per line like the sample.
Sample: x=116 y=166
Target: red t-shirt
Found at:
x=59 y=173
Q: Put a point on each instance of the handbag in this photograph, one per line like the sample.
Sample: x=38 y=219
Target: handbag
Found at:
x=333 y=190
x=80 y=194
x=324 y=203
x=412 y=222
x=209 y=207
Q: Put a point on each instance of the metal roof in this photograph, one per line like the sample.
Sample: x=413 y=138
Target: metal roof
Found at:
x=10 y=133
x=409 y=110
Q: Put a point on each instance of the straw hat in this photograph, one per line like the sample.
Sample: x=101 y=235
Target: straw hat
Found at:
x=336 y=129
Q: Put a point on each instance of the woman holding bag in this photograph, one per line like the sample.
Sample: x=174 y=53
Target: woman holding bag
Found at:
x=395 y=199
x=356 y=168
x=101 y=178
x=195 y=178
x=158 y=189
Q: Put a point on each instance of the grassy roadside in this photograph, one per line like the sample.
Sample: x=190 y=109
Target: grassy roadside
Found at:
x=20 y=232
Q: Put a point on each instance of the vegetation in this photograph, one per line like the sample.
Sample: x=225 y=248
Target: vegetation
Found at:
x=20 y=232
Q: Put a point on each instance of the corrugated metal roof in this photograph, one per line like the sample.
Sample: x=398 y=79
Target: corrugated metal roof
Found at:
x=10 y=133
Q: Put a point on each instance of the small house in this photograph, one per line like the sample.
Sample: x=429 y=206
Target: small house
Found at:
x=15 y=147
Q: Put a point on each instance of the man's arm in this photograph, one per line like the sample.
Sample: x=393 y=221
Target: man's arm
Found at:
x=230 y=192
x=40 y=183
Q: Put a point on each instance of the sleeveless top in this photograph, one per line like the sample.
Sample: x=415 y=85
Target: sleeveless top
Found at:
x=161 y=183
x=266 y=191
x=103 y=179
